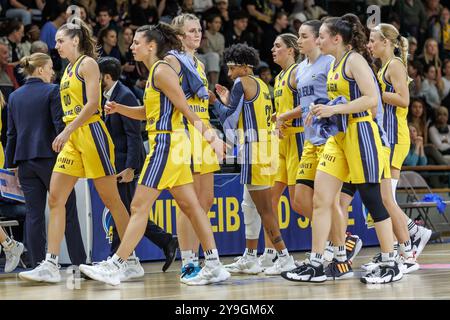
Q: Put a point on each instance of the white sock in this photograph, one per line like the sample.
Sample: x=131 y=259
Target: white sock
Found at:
x=8 y=243
x=405 y=249
x=316 y=259
x=212 y=257
x=394 y=183
x=283 y=253
x=251 y=253
x=340 y=254
x=132 y=256
x=388 y=258
x=117 y=261
x=187 y=256
x=195 y=259
x=52 y=258
x=412 y=227
x=270 y=252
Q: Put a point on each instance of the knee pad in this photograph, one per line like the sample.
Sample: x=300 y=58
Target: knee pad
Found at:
x=371 y=197
x=252 y=220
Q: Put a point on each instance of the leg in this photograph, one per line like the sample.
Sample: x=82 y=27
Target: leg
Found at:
x=126 y=196
x=142 y=202
x=108 y=192
x=61 y=185
x=303 y=202
x=276 y=192
x=74 y=240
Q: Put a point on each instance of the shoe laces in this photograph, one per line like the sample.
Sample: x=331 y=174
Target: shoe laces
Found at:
x=44 y=264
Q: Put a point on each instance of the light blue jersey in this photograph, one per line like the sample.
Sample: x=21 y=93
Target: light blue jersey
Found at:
x=312 y=85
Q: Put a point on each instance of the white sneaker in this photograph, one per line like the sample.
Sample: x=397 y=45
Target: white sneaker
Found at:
x=372 y=265
x=133 y=270
x=209 y=274
x=245 y=264
x=13 y=256
x=282 y=264
x=265 y=261
x=328 y=254
x=383 y=274
x=105 y=271
x=45 y=272
x=407 y=265
x=420 y=239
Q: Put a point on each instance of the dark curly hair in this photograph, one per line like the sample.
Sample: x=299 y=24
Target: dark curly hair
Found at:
x=241 y=54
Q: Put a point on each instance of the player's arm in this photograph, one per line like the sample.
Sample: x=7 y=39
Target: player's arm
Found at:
x=399 y=80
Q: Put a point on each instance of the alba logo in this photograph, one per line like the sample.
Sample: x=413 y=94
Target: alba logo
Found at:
x=107 y=222
x=151 y=120
x=336 y=76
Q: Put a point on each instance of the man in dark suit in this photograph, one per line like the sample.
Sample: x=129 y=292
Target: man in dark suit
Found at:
x=34 y=120
x=129 y=153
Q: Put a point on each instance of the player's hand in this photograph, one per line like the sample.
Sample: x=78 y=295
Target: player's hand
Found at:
x=126 y=175
x=60 y=141
x=322 y=111
x=212 y=97
x=309 y=119
x=224 y=93
x=111 y=107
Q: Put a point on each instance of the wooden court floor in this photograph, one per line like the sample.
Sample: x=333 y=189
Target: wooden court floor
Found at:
x=431 y=282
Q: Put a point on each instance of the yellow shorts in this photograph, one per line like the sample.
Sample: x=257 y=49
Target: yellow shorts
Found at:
x=89 y=153
x=356 y=155
x=290 y=153
x=398 y=155
x=168 y=163
x=310 y=159
x=386 y=162
x=204 y=159
x=257 y=165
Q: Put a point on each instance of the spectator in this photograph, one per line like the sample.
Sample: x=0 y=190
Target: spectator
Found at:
x=142 y=13
x=33 y=124
x=440 y=132
x=168 y=9
x=313 y=12
x=413 y=18
x=13 y=32
x=412 y=48
x=446 y=81
x=266 y=75
x=441 y=32
x=89 y=7
x=104 y=21
x=433 y=10
x=430 y=54
x=432 y=87
x=32 y=34
x=187 y=6
x=49 y=29
x=50 y=8
x=415 y=73
x=418 y=117
x=239 y=33
x=280 y=25
x=8 y=80
x=295 y=21
x=26 y=10
x=129 y=74
x=39 y=46
x=123 y=12
x=107 y=41
x=416 y=155
x=215 y=41
x=200 y=6
x=221 y=8
x=261 y=16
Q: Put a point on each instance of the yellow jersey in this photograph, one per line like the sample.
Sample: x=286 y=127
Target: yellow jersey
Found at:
x=286 y=97
x=339 y=84
x=394 y=118
x=255 y=119
x=200 y=106
x=73 y=93
x=161 y=114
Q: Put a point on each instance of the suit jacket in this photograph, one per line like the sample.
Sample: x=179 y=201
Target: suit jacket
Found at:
x=125 y=132
x=34 y=120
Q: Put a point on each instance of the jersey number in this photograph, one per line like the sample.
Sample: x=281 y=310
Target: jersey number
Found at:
x=66 y=99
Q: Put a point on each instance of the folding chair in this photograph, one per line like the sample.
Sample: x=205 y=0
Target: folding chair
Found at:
x=410 y=181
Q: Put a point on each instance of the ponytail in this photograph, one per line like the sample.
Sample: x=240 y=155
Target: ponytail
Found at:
x=359 y=36
x=87 y=44
x=399 y=43
x=164 y=35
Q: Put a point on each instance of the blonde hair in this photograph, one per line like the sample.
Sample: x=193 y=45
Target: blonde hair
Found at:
x=30 y=63
x=428 y=58
x=179 y=21
x=442 y=110
x=400 y=44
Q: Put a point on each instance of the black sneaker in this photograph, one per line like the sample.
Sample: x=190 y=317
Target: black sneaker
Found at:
x=338 y=270
x=353 y=245
x=305 y=273
x=383 y=274
x=170 y=251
